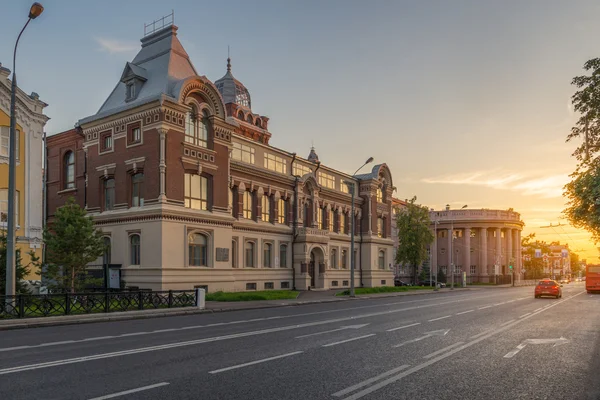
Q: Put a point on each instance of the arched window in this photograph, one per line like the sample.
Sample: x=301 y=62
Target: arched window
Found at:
x=258 y=123
x=107 y=250
x=330 y=220
x=267 y=254
x=69 y=168
x=282 y=211
x=109 y=194
x=190 y=125
x=241 y=115
x=204 y=129
x=334 y=263
x=283 y=256
x=247 y=204
x=344 y=259
x=137 y=197
x=379 y=195
x=266 y=208
x=320 y=213
x=134 y=249
x=380 y=227
x=197 y=246
x=249 y=254
x=381 y=259
x=249 y=119
x=343 y=223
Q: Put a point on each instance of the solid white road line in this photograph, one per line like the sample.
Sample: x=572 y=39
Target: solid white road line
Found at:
x=332 y=330
x=524 y=315
x=499 y=304
x=437 y=319
x=537 y=309
x=419 y=367
x=483 y=308
x=369 y=381
x=217 y=371
x=481 y=334
x=464 y=312
x=348 y=340
x=140 y=389
x=402 y=327
x=507 y=322
x=440 y=351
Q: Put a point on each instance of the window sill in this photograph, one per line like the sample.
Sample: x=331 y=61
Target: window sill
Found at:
x=134 y=144
x=66 y=191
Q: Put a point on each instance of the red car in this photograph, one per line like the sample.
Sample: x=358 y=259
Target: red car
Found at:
x=548 y=287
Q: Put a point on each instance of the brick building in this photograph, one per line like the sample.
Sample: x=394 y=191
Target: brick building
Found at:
x=178 y=173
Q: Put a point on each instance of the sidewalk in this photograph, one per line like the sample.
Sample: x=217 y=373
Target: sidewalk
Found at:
x=304 y=298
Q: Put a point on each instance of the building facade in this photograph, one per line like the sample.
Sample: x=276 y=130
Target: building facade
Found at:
x=482 y=243
x=179 y=174
x=29 y=181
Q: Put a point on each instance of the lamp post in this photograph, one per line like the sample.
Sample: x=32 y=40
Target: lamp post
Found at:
x=452 y=251
x=34 y=12
x=434 y=253
x=351 y=187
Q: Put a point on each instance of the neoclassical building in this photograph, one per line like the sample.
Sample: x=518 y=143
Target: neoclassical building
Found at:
x=29 y=181
x=179 y=174
x=482 y=243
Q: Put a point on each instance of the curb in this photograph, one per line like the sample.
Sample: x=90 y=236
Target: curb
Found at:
x=129 y=315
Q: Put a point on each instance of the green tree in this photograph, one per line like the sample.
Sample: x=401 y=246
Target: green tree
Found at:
x=583 y=192
x=21 y=271
x=72 y=242
x=414 y=235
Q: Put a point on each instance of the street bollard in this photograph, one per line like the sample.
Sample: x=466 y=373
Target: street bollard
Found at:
x=200 y=298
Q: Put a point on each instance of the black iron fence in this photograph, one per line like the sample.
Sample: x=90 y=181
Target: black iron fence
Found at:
x=48 y=305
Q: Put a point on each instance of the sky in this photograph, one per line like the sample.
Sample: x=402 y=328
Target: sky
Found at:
x=467 y=102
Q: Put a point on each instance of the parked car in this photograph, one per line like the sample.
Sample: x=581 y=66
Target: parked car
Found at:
x=399 y=282
x=430 y=283
x=548 y=287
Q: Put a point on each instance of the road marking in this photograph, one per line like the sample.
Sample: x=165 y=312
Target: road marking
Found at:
x=402 y=327
x=483 y=308
x=56 y=343
x=524 y=315
x=499 y=304
x=557 y=342
x=348 y=340
x=140 y=389
x=435 y=353
x=165 y=330
x=333 y=330
x=481 y=334
x=464 y=312
x=425 y=364
x=217 y=371
x=538 y=309
x=369 y=381
x=507 y=322
x=437 y=319
x=134 y=334
x=441 y=332
x=97 y=338
x=510 y=301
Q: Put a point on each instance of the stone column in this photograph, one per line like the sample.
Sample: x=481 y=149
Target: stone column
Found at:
x=519 y=255
x=498 y=251
x=162 y=197
x=483 y=269
x=509 y=248
x=467 y=258
x=450 y=250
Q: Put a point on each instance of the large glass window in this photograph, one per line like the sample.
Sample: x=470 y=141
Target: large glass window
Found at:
x=197 y=127
x=249 y=254
x=266 y=208
x=282 y=211
x=203 y=129
x=5 y=141
x=247 y=205
x=343 y=223
x=109 y=194
x=326 y=180
x=379 y=195
x=344 y=259
x=134 y=249
x=275 y=163
x=330 y=220
x=301 y=170
x=283 y=256
x=381 y=259
x=379 y=226
x=4 y=206
x=320 y=212
x=244 y=153
x=196 y=192
x=197 y=246
x=69 y=170
x=267 y=253
x=334 y=262
x=137 y=197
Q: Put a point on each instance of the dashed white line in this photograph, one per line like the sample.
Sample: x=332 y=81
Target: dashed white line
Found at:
x=140 y=389
x=481 y=334
x=483 y=308
x=437 y=319
x=499 y=304
x=524 y=315
x=402 y=327
x=440 y=351
x=507 y=322
x=217 y=371
x=464 y=312
x=348 y=340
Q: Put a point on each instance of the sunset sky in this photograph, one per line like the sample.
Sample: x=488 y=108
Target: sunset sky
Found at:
x=468 y=102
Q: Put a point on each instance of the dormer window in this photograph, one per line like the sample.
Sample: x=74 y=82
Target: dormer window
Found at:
x=130 y=94
x=133 y=77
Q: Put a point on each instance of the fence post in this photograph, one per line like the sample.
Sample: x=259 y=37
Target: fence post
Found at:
x=21 y=306
x=200 y=298
x=170 y=299
x=67 y=304
x=107 y=301
x=140 y=300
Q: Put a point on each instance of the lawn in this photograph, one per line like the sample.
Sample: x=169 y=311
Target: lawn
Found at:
x=250 y=296
x=384 y=289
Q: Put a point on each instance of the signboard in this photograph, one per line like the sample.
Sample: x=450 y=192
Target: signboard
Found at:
x=114 y=278
x=222 y=254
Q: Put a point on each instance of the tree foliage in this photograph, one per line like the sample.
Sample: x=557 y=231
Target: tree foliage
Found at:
x=583 y=192
x=414 y=234
x=21 y=271
x=72 y=242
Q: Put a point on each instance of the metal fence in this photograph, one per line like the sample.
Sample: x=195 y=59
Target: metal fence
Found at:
x=48 y=305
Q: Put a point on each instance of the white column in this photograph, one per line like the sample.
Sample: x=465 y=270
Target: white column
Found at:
x=162 y=197
x=484 y=252
x=509 y=247
x=498 y=251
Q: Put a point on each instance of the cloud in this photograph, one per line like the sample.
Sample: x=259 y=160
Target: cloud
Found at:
x=116 y=46
x=529 y=185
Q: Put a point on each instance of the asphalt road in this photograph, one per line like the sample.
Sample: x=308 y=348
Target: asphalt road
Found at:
x=488 y=343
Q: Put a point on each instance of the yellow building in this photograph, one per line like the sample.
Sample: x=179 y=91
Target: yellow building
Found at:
x=30 y=125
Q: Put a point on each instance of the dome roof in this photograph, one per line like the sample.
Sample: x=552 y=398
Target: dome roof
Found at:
x=313 y=157
x=232 y=90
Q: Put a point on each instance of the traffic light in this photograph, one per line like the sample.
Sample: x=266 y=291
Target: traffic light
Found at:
x=510 y=266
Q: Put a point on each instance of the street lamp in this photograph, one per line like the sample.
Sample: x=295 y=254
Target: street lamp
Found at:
x=351 y=187
x=434 y=252
x=34 y=12
x=452 y=251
